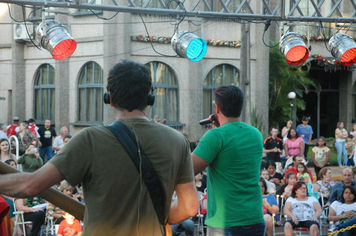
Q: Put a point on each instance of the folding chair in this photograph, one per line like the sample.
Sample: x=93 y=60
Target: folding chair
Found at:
x=19 y=220
x=200 y=218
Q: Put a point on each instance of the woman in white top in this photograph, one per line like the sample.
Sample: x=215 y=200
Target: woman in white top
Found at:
x=340 y=135
x=304 y=211
x=344 y=212
x=286 y=129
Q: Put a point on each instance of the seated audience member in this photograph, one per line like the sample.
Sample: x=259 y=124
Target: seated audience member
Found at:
x=31 y=160
x=5 y=153
x=293 y=168
x=271 y=187
x=325 y=183
x=36 y=215
x=70 y=226
x=343 y=212
x=286 y=190
x=302 y=210
x=69 y=190
x=336 y=190
x=303 y=174
x=270 y=206
x=274 y=176
x=187 y=226
x=55 y=211
x=200 y=184
x=11 y=162
x=66 y=138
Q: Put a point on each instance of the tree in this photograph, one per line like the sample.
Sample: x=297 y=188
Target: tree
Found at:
x=282 y=80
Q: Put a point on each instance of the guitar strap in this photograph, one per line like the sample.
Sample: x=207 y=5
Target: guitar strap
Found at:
x=149 y=175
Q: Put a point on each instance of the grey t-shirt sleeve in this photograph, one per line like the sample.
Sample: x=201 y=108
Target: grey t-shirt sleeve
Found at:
x=73 y=161
x=186 y=172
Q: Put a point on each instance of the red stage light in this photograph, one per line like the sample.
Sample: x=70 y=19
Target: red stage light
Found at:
x=343 y=48
x=349 y=57
x=297 y=55
x=64 y=49
x=56 y=40
x=294 y=48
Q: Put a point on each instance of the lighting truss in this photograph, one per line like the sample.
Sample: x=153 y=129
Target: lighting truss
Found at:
x=201 y=8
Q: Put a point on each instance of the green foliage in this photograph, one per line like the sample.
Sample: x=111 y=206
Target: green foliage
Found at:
x=256 y=121
x=282 y=80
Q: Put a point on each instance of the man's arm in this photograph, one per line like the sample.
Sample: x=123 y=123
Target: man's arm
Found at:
x=23 y=185
x=199 y=164
x=187 y=203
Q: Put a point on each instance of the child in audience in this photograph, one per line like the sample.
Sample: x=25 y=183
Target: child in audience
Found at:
x=70 y=226
x=303 y=174
x=350 y=149
x=11 y=162
x=271 y=187
x=291 y=180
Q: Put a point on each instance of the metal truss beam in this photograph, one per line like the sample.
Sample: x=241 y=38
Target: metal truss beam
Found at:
x=243 y=11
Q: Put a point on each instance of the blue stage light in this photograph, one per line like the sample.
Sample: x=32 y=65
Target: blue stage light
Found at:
x=188 y=45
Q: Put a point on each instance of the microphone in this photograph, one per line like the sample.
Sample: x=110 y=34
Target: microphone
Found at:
x=207 y=121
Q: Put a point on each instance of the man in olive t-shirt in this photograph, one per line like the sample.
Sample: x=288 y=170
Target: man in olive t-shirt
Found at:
x=117 y=200
x=233 y=154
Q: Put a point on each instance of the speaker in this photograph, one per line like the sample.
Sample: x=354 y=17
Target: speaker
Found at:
x=150 y=99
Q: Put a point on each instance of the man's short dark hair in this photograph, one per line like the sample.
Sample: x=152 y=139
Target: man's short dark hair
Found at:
x=129 y=84
x=230 y=100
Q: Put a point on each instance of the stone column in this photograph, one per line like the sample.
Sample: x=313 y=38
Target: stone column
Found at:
x=115 y=49
x=62 y=89
x=18 y=73
x=345 y=99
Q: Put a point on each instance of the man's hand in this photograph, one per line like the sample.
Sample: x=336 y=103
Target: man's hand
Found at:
x=164 y=121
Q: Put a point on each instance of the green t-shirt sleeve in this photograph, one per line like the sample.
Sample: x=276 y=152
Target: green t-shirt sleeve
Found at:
x=73 y=159
x=186 y=173
x=209 y=146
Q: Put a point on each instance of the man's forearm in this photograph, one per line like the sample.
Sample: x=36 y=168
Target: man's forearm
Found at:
x=15 y=185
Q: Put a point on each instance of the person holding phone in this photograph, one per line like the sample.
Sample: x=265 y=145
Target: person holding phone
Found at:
x=31 y=160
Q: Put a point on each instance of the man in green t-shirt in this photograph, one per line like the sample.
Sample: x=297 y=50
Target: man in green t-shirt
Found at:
x=233 y=154
x=117 y=201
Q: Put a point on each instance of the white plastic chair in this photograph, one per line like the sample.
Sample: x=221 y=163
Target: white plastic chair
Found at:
x=19 y=220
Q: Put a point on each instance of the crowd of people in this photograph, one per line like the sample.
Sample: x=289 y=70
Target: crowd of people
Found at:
x=120 y=201
x=302 y=197
x=35 y=146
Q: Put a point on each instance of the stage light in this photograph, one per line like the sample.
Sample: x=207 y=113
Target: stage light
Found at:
x=187 y=44
x=343 y=48
x=294 y=48
x=56 y=40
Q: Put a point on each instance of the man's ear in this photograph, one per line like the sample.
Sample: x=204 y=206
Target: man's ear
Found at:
x=216 y=109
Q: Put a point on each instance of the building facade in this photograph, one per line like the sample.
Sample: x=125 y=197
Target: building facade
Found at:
x=69 y=92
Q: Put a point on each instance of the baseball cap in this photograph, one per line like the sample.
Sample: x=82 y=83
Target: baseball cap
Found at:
x=16 y=118
x=305 y=118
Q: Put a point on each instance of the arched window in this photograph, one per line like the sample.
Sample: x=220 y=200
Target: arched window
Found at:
x=166 y=91
x=90 y=93
x=223 y=74
x=44 y=90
